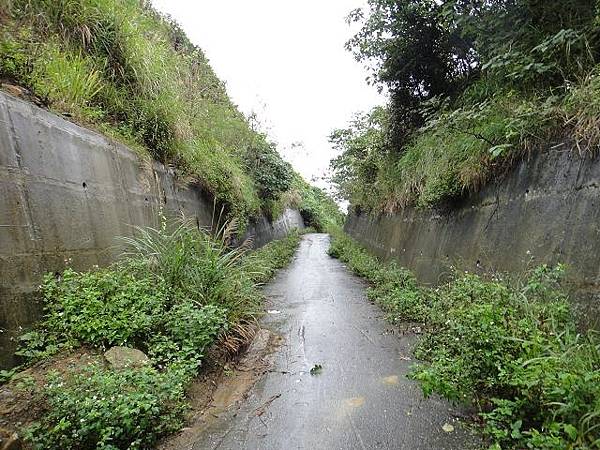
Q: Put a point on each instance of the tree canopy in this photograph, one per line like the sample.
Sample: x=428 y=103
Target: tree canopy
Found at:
x=464 y=66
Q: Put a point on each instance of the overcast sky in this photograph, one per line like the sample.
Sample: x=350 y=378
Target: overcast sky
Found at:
x=284 y=60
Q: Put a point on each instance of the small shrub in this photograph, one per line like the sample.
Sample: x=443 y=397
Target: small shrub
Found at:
x=105 y=409
x=105 y=307
x=273 y=175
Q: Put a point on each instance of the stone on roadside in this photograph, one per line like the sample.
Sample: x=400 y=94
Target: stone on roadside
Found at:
x=125 y=358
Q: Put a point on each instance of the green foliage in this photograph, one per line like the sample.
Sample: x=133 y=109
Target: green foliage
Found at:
x=473 y=86
x=510 y=347
x=318 y=209
x=515 y=349
x=125 y=69
x=263 y=263
x=362 y=147
x=458 y=150
x=176 y=290
x=105 y=409
x=198 y=267
x=14 y=57
x=359 y=261
x=106 y=307
x=582 y=112
x=67 y=79
x=273 y=174
x=393 y=288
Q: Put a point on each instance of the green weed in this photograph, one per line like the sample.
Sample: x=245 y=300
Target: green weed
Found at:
x=107 y=409
x=175 y=292
x=262 y=264
x=509 y=347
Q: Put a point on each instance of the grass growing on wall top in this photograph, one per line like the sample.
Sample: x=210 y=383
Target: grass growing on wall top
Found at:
x=459 y=150
x=121 y=67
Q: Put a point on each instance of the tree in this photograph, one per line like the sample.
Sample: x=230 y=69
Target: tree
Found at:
x=354 y=171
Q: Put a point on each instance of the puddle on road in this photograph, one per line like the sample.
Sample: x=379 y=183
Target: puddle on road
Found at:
x=355 y=402
x=349 y=406
x=392 y=380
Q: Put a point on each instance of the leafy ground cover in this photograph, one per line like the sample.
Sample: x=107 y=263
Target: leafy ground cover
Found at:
x=176 y=293
x=510 y=347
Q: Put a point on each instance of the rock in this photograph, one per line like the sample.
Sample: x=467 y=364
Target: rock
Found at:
x=125 y=357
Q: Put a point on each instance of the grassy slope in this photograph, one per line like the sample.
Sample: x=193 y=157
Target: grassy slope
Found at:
x=122 y=68
x=461 y=149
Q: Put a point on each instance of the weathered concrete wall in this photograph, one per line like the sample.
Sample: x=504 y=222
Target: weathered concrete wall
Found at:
x=262 y=231
x=546 y=210
x=66 y=193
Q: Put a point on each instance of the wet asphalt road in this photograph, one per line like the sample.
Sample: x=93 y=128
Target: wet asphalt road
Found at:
x=361 y=399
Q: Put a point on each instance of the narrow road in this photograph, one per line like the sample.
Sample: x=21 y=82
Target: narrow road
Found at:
x=360 y=399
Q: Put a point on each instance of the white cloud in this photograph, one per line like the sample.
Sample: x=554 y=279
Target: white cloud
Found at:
x=285 y=61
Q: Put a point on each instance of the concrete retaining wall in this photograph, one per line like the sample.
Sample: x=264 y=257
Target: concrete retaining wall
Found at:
x=65 y=194
x=546 y=210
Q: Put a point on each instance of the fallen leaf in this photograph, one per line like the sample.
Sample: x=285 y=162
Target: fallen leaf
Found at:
x=316 y=369
x=448 y=428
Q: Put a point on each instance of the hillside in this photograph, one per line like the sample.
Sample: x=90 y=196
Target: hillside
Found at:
x=122 y=68
x=474 y=86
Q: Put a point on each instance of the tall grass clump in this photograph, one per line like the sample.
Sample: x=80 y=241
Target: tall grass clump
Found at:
x=510 y=347
x=176 y=292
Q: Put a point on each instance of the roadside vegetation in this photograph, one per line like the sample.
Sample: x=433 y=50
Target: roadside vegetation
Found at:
x=473 y=87
x=122 y=68
x=508 y=346
x=176 y=293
